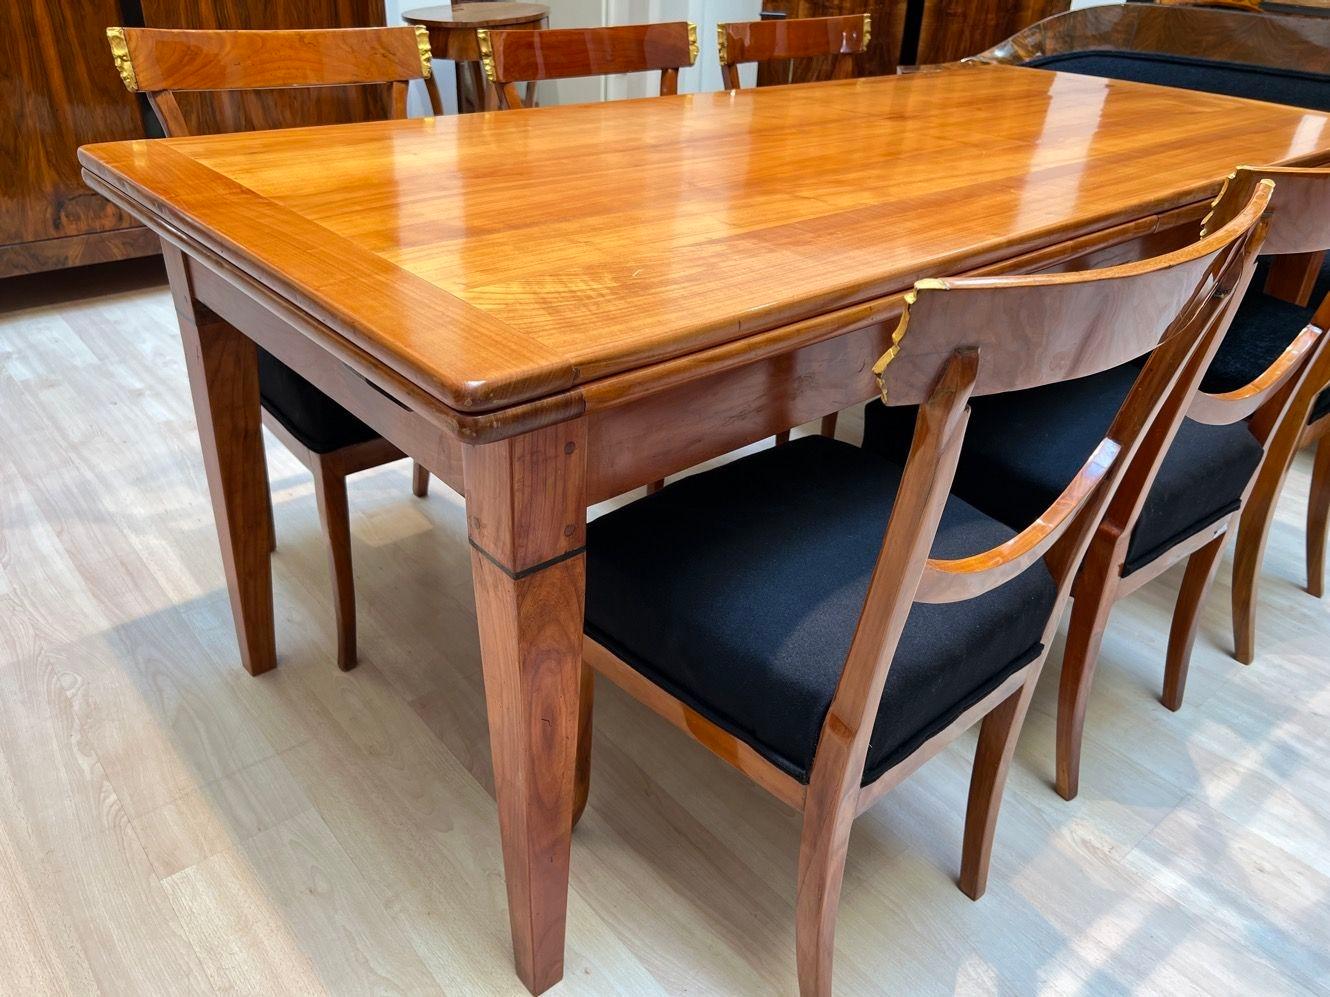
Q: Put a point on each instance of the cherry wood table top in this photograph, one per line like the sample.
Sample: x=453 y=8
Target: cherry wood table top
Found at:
x=499 y=260
x=476 y=14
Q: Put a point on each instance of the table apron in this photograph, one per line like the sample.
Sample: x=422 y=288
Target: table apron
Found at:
x=437 y=449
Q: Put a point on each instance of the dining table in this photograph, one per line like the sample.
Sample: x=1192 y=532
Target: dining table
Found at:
x=551 y=307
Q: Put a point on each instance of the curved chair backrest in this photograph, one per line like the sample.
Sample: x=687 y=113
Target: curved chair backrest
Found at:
x=1043 y=328
x=1230 y=4
x=1299 y=208
x=996 y=334
x=843 y=37
x=161 y=62
x=1299 y=223
x=511 y=57
x=1265 y=39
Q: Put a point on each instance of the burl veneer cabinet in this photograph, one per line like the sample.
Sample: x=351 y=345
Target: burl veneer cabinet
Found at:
x=59 y=90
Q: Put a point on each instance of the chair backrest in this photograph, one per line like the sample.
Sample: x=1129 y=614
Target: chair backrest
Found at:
x=1277 y=401
x=161 y=62
x=843 y=37
x=966 y=336
x=1252 y=5
x=1285 y=41
x=511 y=57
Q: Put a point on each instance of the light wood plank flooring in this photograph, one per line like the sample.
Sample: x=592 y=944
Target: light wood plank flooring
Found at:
x=169 y=825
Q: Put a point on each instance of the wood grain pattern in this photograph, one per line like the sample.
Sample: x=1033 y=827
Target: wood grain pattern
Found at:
x=168 y=59
x=526 y=516
x=63 y=95
x=511 y=57
x=954 y=29
x=77 y=250
x=210 y=113
x=801 y=38
x=883 y=54
x=1264 y=39
x=224 y=379
x=508 y=308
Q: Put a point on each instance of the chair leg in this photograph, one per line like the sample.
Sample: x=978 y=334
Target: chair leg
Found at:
x=582 y=776
x=267 y=494
x=992 y=757
x=330 y=492
x=1318 y=518
x=1089 y=618
x=419 y=479
x=821 y=871
x=1248 y=556
x=1196 y=582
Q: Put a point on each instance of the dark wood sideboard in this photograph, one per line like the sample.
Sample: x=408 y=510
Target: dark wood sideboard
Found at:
x=917 y=32
x=61 y=91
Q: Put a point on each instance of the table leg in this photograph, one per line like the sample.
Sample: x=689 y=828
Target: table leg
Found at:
x=481 y=87
x=224 y=381
x=435 y=97
x=526 y=515
x=1291 y=278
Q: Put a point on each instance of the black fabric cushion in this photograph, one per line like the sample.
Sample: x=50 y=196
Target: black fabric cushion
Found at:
x=311 y=416
x=1232 y=79
x=1262 y=329
x=738 y=591
x=1022 y=449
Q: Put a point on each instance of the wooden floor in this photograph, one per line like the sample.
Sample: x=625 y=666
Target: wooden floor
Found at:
x=170 y=825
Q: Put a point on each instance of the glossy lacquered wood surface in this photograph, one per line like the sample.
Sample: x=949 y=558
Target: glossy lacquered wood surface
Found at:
x=207 y=113
x=524 y=56
x=953 y=29
x=1261 y=39
x=839 y=38
x=169 y=59
x=490 y=260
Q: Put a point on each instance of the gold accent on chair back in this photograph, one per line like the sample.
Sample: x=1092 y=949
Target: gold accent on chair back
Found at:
x=427 y=54
x=124 y=65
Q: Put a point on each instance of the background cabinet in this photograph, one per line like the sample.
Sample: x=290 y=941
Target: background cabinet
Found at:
x=60 y=91
x=919 y=32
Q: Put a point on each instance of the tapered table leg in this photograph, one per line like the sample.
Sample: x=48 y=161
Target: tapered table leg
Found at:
x=224 y=381
x=526 y=515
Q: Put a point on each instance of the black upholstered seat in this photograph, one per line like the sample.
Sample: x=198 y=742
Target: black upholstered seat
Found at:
x=738 y=591
x=1022 y=449
x=1232 y=79
x=311 y=416
x=1262 y=329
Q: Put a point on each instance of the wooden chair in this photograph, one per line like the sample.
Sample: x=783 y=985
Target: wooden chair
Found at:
x=324 y=436
x=512 y=57
x=1181 y=496
x=826 y=619
x=1266 y=329
x=1273 y=52
x=841 y=38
